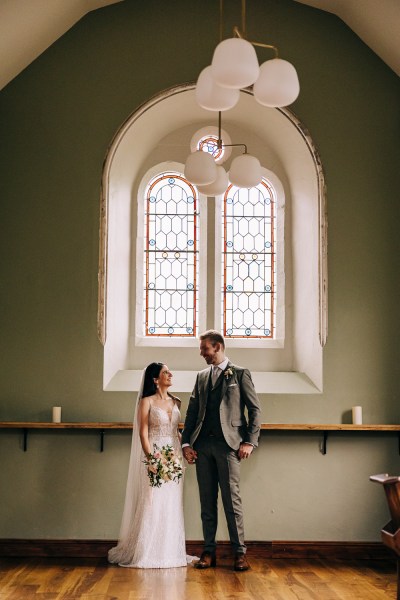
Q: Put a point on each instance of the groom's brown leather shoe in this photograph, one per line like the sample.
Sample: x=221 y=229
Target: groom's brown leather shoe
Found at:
x=206 y=561
x=241 y=563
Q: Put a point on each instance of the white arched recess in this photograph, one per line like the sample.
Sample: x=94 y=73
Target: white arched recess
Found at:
x=161 y=130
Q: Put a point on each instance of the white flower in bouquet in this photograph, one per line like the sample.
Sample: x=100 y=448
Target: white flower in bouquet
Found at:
x=163 y=466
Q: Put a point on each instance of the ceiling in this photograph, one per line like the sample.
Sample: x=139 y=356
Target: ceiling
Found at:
x=28 y=27
x=376 y=22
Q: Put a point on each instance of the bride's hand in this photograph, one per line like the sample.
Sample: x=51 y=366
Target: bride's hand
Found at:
x=189 y=454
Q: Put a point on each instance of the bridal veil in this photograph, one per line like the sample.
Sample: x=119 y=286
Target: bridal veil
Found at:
x=118 y=553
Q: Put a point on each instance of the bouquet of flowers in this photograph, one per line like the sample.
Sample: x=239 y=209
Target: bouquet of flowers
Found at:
x=163 y=465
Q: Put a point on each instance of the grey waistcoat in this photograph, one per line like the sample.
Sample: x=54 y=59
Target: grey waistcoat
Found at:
x=212 y=420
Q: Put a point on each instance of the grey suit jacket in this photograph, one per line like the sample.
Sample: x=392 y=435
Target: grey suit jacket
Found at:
x=238 y=393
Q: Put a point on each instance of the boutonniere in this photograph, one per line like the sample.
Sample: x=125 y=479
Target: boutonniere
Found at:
x=229 y=373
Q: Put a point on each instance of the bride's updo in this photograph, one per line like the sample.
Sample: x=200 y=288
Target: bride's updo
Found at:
x=152 y=372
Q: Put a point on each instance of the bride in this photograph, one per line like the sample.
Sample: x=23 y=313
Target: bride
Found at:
x=152 y=531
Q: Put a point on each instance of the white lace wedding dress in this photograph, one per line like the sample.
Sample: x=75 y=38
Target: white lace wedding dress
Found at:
x=155 y=535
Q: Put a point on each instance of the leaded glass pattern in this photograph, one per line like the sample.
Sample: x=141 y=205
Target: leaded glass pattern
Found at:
x=171 y=257
x=248 y=262
x=209 y=144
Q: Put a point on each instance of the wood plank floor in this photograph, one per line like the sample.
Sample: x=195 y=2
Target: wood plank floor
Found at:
x=275 y=579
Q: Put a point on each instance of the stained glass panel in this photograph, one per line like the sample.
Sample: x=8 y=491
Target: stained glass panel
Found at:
x=171 y=257
x=209 y=144
x=248 y=262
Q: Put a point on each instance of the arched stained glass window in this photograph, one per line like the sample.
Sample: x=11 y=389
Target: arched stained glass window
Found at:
x=171 y=256
x=248 y=262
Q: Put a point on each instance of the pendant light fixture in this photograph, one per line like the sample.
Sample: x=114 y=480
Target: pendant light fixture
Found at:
x=200 y=168
x=235 y=66
x=212 y=96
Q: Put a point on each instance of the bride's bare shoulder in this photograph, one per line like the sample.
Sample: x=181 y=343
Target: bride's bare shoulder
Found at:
x=146 y=401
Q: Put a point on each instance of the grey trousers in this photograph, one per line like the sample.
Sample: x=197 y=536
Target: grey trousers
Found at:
x=218 y=465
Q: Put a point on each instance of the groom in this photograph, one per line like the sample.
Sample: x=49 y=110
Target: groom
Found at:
x=217 y=436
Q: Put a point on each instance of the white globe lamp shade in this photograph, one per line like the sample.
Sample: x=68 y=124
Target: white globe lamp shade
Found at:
x=245 y=171
x=211 y=96
x=277 y=85
x=200 y=168
x=234 y=64
x=218 y=186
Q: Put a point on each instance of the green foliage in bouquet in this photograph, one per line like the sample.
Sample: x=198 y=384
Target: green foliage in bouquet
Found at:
x=163 y=465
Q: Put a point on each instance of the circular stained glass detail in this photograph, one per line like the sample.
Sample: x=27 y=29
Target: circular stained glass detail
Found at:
x=165 y=254
x=190 y=242
x=190 y=286
x=267 y=200
x=267 y=288
x=242 y=256
x=229 y=331
x=152 y=199
x=229 y=288
x=190 y=199
x=268 y=244
x=248 y=331
x=229 y=200
x=171 y=180
x=151 y=286
x=177 y=255
x=152 y=242
x=151 y=329
x=189 y=330
x=170 y=330
x=209 y=144
x=267 y=332
x=254 y=256
x=229 y=244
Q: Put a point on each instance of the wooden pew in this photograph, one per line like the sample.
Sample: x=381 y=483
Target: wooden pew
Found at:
x=391 y=531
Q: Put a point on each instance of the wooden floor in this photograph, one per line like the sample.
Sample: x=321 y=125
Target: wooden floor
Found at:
x=275 y=579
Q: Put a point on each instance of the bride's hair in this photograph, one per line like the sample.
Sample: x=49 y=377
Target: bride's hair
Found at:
x=151 y=373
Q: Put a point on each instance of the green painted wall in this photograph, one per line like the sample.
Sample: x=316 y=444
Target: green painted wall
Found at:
x=57 y=119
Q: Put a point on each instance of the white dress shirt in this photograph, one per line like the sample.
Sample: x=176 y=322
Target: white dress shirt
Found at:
x=216 y=370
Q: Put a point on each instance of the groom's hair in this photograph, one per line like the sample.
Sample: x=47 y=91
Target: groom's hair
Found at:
x=214 y=336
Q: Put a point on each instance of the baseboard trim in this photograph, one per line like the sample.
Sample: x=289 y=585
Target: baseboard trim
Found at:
x=274 y=549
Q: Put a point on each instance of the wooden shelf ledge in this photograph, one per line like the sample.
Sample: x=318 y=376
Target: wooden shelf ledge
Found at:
x=103 y=427
x=327 y=427
x=64 y=425
x=264 y=426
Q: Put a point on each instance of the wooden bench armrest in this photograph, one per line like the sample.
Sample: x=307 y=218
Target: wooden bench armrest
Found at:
x=384 y=478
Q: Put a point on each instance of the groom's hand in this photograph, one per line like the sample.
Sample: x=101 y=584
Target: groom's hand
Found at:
x=189 y=454
x=245 y=450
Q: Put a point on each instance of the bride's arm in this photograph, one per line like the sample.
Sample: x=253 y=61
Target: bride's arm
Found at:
x=143 y=411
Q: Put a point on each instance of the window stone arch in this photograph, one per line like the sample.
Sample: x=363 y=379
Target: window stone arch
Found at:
x=290 y=152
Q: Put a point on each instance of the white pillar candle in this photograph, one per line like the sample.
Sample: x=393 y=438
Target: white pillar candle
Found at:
x=56 y=414
x=357 y=415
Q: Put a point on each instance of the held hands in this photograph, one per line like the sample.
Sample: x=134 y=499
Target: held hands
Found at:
x=245 y=450
x=189 y=454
